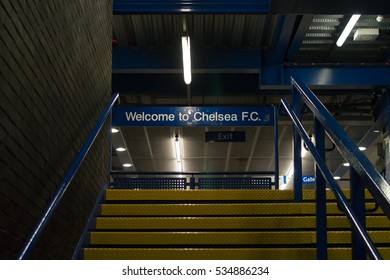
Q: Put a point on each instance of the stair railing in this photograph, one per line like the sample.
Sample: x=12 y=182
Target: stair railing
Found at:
x=362 y=173
x=63 y=186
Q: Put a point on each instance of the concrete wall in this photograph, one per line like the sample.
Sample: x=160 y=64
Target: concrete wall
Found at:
x=55 y=80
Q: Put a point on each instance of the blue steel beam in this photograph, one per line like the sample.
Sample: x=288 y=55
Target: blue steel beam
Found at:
x=127 y=61
x=191 y=6
x=329 y=7
x=277 y=52
x=352 y=76
x=303 y=24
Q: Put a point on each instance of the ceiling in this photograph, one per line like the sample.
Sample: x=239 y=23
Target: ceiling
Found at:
x=244 y=59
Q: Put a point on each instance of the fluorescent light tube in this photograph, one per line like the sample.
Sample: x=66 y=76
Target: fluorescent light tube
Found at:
x=351 y=23
x=178 y=150
x=185 y=42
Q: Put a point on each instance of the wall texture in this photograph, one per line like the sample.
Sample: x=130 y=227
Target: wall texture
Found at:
x=55 y=79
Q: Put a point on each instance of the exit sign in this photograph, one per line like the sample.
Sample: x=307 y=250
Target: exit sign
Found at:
x=225 y=136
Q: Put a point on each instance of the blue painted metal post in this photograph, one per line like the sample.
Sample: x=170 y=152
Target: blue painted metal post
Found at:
x=388 y=109
x=192 y=183
x=297 y=147
x=321 y=223
x=276 y=147
x=358 y=206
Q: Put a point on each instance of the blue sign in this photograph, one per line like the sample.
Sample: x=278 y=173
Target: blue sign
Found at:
x=310 y=179
x=224 y=136
x=192 y=116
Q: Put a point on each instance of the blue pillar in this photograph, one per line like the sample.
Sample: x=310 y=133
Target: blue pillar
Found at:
x=276 y=147
x=358 y=206
x=192 y=183
x=297 y=147
x=321 y=223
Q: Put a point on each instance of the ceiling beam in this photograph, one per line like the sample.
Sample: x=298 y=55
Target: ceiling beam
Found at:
x=284 y=31
x=191 y=6
x=330 y=7
x=302 y=26
x=211 y=66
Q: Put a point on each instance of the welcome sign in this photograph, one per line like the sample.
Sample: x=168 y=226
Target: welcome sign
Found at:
x=192 y=116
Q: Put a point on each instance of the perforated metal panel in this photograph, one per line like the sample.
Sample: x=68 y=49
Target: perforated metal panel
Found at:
x=150 y=183
x=235 y=183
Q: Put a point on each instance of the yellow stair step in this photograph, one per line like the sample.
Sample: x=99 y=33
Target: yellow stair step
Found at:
x=226 y=238
x=218 y=254
x=207 y=209
x=204 y=195
x=185 y=223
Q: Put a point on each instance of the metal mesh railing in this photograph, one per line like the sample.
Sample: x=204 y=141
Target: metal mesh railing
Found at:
x=150 y=183
x=235 y=183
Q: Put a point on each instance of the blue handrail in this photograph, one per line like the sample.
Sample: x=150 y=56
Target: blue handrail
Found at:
x=376 y=184
x=33 y=238
x=341 y=199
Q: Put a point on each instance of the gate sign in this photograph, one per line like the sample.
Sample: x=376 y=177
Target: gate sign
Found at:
x=309 y=179
x=192 y=116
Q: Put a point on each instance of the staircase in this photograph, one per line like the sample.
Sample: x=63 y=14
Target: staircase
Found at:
x=221 y=224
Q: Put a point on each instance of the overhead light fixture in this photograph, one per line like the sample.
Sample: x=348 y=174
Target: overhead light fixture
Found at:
x=377 y=131
x=337 y=177
x=185 y=42
x=348 y=28
x=346 y=164
x=177 y=149
x=362 y=148
x=178 y=153
x=114 y=130
x=120 y=149
x=127 y=165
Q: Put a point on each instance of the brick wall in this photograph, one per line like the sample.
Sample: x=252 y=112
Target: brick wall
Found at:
x=55 y=80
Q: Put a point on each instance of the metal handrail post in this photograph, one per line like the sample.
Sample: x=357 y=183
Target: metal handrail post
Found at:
x=358 y=206
x=321 y=223
x=297 y=148
x=276 y=147
x=33 y=238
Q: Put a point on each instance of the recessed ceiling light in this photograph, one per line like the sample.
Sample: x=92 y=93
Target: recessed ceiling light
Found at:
x=114 y=130
x=377 y=131
x=127 y=165
x=120 y=149
x=346 y=164
x=337 y=177
x=362 y=148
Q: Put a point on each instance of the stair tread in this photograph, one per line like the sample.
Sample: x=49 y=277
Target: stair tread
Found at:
x=232 y=238
x=218 y=253
x=230 y=222
x=205 y=195
x=204 y=209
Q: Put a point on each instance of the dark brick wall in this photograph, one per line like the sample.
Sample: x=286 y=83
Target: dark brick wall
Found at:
x=55 y=80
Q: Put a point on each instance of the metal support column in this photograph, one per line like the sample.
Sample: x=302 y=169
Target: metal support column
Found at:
x=297 y=148
x=321 y=223
x=276 y=147
x=358 y=206
x=192 y=183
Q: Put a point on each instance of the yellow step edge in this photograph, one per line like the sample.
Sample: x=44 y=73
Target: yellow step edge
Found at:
x=183 y=223
x=120 y=194
x=226 y=238
x=125 y=194
x=219 y=254
x=193 y=209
